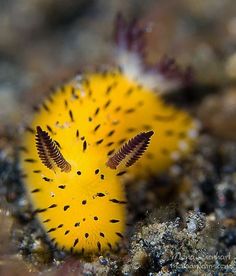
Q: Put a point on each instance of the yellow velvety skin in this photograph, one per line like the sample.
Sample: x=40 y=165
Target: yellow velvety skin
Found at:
x=90 y=118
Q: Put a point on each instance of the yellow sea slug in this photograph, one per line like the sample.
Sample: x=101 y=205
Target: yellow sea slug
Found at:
x=82 y=143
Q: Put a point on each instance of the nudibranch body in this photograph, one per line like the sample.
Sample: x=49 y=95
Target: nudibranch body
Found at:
x=90 y=119
x=84 y=141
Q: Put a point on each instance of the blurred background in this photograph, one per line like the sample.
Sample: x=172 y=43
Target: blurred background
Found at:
x=45 y=42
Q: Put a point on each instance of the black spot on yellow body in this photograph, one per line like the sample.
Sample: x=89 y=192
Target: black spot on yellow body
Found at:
x=40 y=210
x=75 y=242
x=111 y=133
x=46 y=107
x=97 y=111
x=119 y=235
x=36 y=171
x=99 y=141
x=84 y=146
x=51 y=230
x=61 y=186
x=99 y=246
x=66 y=207
x=114 y=220
x=121 y=173
x=52 y=206
x=107 y=104
x=97 y=127
x=30 y=160
x=47 y=179
x=35 y=191
x=71 y=116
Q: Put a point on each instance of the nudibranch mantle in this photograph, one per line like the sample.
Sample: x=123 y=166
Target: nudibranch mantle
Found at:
x=89 y=119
